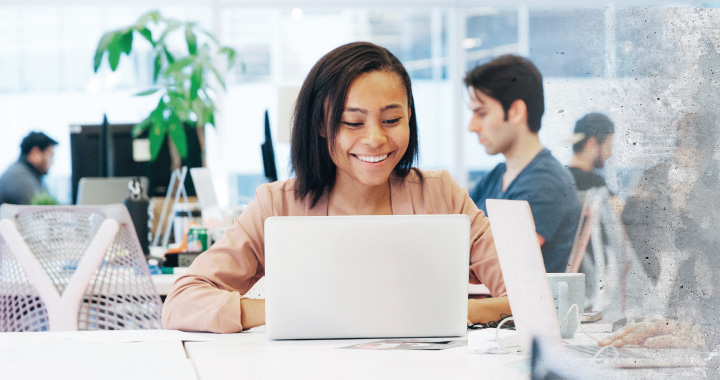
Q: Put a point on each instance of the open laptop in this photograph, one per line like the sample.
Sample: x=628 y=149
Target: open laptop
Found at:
x=104 y=191
x=531 y=299
x=393 y=276
x=212 y=214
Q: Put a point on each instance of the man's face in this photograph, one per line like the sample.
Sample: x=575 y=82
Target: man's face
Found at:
x=490 y=122
x=44 y=159
x=604 y=151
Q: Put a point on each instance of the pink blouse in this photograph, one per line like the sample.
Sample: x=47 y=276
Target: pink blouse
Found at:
x=207 y=297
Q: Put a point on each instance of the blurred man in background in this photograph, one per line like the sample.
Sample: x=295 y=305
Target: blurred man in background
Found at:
x=507 y=101
x=22 y=181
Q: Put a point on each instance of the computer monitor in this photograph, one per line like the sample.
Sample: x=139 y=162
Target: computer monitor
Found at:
x=268 y=153
x=86 y=150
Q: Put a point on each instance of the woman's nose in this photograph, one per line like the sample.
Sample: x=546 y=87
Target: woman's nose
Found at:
x=375 y=135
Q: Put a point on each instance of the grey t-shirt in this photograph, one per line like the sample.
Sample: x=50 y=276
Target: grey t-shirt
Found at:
x=20 y=182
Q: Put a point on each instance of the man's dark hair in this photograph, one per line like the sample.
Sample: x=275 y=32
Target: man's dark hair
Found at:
x=35 y=139
x=509 y=78
x=595 y=125
x=320 y=105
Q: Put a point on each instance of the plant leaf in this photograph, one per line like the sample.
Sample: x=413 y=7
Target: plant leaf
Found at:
x=200 y=111
x=102 y=48
x=114 y=50
x=169 y=56
x=171 y=26
x=141 y=127
x=178 y=105
x=196 y=81
x=211 y=36
x=148 y=92
x=179 y=65
x=231 y=53
x=217 y=75
x=191 y=40
x=211 y=119
x=142 y=22
x=126 y=41
x=145 y=32
x=156 y=67
x=177 y=134
x=157 y=138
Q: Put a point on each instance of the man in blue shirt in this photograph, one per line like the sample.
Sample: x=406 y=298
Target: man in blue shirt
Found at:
x=22 y=181
x=507 y=101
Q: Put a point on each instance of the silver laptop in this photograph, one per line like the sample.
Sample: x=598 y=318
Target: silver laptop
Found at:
x=105 y=191
x=366 y=276
x=531 y=299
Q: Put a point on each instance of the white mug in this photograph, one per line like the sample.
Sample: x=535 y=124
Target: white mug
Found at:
x=568 y=289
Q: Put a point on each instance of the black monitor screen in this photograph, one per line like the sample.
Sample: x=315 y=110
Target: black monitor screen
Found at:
x=268 y=153
x=85 y=147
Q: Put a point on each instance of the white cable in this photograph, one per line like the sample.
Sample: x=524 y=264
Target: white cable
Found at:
x=579 y=327
x=605 y=348
x=501 y=342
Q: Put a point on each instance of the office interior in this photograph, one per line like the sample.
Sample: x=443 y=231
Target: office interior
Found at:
x=636 y=62
x=626 y=61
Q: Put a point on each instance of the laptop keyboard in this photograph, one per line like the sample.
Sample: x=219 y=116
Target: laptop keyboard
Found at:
x=608 y=353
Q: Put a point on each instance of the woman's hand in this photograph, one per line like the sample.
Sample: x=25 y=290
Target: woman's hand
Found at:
x=252 y=312
x=657 y=333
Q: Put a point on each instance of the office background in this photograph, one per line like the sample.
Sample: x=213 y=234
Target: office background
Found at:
x=637 y=63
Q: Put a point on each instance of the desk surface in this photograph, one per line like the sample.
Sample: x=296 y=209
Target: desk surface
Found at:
x=251 y=355
x=166 y=354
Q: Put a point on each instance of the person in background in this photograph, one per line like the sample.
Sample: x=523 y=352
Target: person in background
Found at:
x=353 y=143
x=671 y=220
x=22 y=181
x=507 y=101
x=592 y=142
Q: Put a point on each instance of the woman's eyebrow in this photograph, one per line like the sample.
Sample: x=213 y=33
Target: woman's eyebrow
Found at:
x=365 y=112
x=352 y=109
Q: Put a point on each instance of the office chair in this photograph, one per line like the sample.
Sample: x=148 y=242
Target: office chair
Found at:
x=73 y=268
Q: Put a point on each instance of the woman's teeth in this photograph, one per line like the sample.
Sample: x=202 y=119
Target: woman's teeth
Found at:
x=373 y=158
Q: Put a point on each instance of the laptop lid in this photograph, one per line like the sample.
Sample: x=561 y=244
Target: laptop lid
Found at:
x=105 y=191
x=366 y=276
x=523 y=270
x=212 y=214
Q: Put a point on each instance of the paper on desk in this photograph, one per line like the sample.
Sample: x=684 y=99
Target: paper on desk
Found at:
x=102 y=336
x=410 y=344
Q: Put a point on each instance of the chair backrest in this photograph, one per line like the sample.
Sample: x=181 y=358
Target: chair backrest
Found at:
x=73 y=267
x=590 y=200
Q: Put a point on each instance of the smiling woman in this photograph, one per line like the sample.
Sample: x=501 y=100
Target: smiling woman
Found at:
x=353 y=145
x=374 y=132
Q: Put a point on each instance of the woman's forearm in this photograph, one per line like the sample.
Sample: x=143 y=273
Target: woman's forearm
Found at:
x=252 y=312
x=487 y=309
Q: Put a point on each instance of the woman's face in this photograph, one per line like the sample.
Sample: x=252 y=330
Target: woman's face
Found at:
x=374 y=130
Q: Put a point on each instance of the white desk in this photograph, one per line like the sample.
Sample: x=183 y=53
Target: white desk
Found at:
x=164 y=354
x=250 y=355
x=160 y=355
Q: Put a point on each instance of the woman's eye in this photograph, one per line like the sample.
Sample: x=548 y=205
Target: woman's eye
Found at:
x=392 y=121
x=350 y=124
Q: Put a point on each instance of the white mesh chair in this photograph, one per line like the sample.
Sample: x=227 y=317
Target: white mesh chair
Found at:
x=73 y=268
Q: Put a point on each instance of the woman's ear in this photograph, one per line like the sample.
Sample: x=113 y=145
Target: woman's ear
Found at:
x=322 y=131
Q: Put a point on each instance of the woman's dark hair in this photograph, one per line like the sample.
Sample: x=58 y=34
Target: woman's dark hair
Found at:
x=320 y=106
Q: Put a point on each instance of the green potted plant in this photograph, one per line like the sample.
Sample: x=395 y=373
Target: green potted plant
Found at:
x=186 y=79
